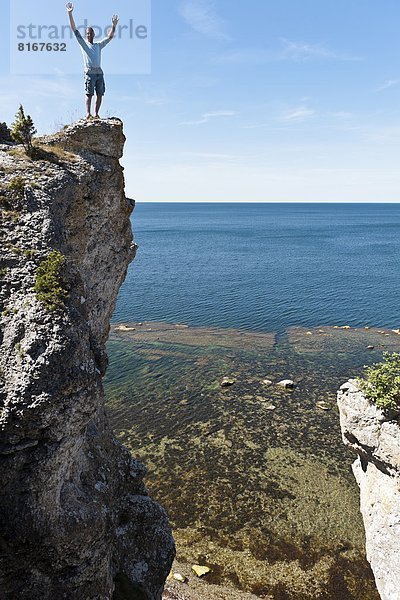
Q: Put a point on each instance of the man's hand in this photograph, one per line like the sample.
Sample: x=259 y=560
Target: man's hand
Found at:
x=70 y=8
x=114 y=21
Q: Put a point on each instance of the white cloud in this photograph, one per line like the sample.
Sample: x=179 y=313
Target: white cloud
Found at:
x=388 y=84
x=301 y=51
x=341 y=114
x=295 y=51
x=299 y=113
x=254 y=56
x=201 y=15
x=205 y=117
x=44 y=87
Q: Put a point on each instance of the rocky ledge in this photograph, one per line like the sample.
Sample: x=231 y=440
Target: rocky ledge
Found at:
x=76 y=521
x=375 y=436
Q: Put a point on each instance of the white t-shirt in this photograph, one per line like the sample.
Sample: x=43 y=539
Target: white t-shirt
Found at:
x=91 y=53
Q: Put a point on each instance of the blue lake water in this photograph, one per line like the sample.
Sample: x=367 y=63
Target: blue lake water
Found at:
x=264 y=266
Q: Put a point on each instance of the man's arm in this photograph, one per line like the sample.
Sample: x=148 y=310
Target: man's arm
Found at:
x=70 y=8
x=115 y=20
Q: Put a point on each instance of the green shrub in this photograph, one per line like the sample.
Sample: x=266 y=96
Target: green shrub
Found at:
x=381 y=384
x=23 y=130
x=49 y=285
x=14 y=249
x=30 y=253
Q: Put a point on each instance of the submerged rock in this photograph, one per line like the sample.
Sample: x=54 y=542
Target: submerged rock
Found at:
x=323 y=405
x=228 y=381
x=179 y=577
x=266 y=404
x=125 y=328
x=200 y=570
x=288 y=384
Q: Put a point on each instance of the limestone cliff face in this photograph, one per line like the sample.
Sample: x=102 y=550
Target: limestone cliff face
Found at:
x=375 y=436
x=75 y=521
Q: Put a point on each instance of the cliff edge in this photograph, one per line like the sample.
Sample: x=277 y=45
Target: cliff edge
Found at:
x=375 y=436
x=76 y=521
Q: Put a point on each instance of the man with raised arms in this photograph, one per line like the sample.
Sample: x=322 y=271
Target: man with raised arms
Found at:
x=91 y=51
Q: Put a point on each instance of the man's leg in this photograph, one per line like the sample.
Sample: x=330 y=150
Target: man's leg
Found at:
x=88 y=105
x=98 y=104
x=100 y=91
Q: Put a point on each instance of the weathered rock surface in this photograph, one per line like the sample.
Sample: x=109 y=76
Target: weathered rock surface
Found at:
x=375 y=436
x=75 y=521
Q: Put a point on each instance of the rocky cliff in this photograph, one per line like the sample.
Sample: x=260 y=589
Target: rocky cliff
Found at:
x=375 y=436
x=76 y=521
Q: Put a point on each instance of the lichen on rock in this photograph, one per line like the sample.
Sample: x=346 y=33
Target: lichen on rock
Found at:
x=76 y=520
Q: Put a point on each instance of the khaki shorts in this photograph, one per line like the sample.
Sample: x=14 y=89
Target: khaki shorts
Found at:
x=94 y=82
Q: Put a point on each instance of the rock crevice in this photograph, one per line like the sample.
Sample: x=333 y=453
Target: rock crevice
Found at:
x=76 y=520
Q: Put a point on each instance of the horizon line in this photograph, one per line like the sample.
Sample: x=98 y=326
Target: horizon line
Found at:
x=267 y=202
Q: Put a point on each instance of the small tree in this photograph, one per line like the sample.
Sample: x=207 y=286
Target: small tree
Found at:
x=381 y=384
x=22 y=130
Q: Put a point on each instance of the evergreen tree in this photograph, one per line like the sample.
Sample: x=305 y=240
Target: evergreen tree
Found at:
x=23 y=129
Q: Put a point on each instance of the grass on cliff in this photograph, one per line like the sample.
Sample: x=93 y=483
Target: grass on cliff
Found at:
x=49 y=286
x=53 y=154
x=13 y=192
x=17 y=186
x=381 y=384
x=12 y=199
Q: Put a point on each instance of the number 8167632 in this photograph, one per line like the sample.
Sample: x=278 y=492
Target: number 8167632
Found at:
x=42 y=47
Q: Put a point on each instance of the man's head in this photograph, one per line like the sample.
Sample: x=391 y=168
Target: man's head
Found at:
x=90 y=35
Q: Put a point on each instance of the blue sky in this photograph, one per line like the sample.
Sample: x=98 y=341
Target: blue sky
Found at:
x=245 y=101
